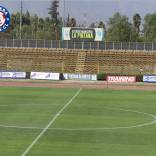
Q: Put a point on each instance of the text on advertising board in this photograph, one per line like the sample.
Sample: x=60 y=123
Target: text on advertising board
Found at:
x=124 y=79
x=13 y=75
x=82 y=34
x=44 y=76
x=87 y=77
x=149 y=78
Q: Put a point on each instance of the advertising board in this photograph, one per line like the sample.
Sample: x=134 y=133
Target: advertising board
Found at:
x=121 y=79
x=12 y=75
x=87 y=77
x=44 y=76
x=82 y=34
x=149 y=78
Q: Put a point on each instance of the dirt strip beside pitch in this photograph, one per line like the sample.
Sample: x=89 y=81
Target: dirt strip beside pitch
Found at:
x=77 y=84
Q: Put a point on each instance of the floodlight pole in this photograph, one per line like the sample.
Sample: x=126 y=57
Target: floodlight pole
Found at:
x=64 y=12
x=21 y=8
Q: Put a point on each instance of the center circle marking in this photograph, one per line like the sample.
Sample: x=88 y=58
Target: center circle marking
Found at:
x=91 y=129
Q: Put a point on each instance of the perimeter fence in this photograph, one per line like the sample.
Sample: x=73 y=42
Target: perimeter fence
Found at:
x=150 y=46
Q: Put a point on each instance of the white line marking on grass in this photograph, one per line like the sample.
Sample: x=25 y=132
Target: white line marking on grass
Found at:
x=113 y=128
x=50 y=123
x=21 y=127
x=92 y=129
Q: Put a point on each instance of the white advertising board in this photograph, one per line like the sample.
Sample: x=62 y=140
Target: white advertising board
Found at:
x=88 y=77
x=13 y=75
x=44 y=76
x=149 y=78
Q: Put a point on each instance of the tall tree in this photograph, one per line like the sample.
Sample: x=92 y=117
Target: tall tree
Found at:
x=119 y=28
x=26 y=18
x=13 y=26
x=150 y=27
x=53 y=11
x=17 y=18
x=68 y=21
x=34 y=25
x=73 y=22
x=41 y=23
x=47 y=20
x=13 y=21
x=137 y=22
x=101 y=25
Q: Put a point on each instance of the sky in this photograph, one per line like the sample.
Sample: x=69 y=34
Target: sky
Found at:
x=85 y=11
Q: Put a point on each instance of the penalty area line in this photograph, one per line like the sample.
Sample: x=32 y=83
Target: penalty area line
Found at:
x=50 y=123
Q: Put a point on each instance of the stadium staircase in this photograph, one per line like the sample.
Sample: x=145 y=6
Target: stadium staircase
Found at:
x=80 y=64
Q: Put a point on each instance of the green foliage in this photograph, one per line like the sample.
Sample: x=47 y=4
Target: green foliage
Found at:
x=135 y=28
x=150 y=27
x=137 y=22
x=101 y=25
x=26 y=18
x=71 y=22
x=53 y=11
x=34 y=27
x=119 y=28
x=101 y=77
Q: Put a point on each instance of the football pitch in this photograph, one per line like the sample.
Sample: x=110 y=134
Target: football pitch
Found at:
x=77 y=122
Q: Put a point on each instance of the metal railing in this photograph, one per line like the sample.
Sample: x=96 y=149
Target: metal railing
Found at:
x=78 y=45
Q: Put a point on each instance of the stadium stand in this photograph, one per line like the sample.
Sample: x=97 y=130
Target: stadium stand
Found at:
x=78 y=61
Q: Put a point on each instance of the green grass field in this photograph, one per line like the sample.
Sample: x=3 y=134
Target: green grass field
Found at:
x=72 y=123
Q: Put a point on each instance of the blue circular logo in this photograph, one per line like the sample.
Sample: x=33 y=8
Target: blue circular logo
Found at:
x=4 y=19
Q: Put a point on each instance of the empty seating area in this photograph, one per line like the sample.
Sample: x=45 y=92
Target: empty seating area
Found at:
x=78 y=61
